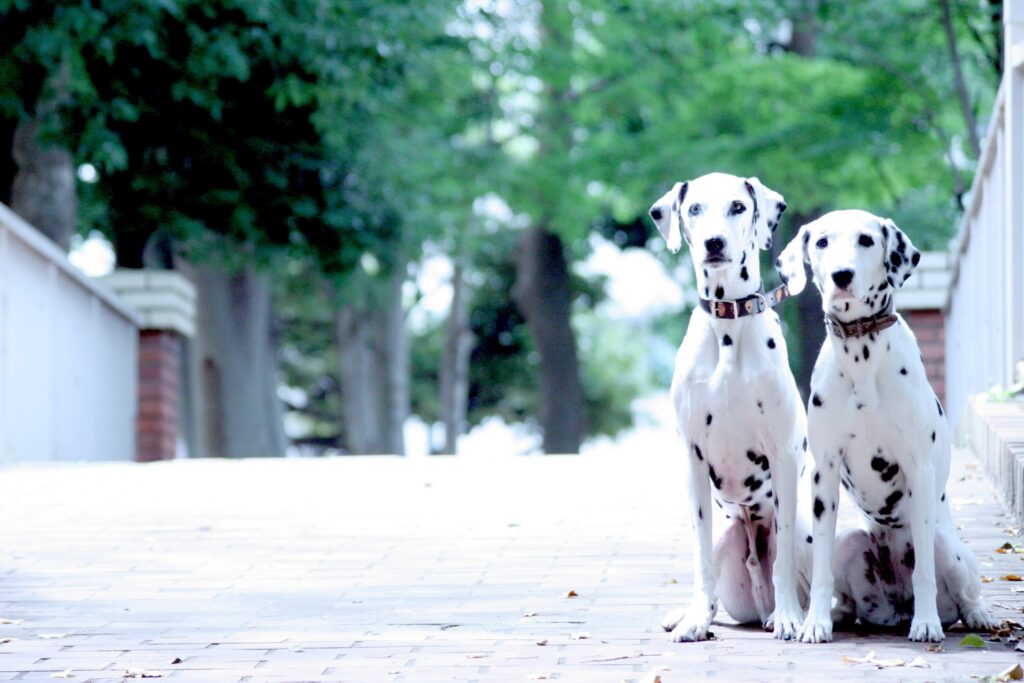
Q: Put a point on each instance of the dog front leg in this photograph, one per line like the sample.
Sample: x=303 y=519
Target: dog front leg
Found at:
x=693 y=623
x=921 y=491
x=787 y=616
x=817 y=627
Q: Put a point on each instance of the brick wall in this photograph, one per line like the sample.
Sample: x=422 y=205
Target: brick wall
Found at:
x=929 y=329
x=159 y=391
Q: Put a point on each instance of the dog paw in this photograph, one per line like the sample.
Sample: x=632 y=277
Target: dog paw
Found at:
x=816 y=630
x=691 y=630
x=926 y=630
x=673 y=618
x=784 y=624
x=979 y=619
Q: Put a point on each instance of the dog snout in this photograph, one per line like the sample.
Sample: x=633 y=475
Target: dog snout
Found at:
x=714 y=245
x=842 y=278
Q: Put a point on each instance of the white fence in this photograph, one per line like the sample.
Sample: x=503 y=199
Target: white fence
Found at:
x=68 y=356
x=985 y=313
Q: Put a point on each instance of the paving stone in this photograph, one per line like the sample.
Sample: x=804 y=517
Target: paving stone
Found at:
x=386 y=569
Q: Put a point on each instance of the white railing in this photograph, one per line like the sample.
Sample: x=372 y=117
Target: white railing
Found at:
x=985 y=312
x=68 y=356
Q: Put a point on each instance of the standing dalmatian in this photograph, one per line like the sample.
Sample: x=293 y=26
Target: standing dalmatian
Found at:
x=739 y=414
x=876 y=426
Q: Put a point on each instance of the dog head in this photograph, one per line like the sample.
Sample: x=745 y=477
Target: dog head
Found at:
x=857 y=260
x=720 y=216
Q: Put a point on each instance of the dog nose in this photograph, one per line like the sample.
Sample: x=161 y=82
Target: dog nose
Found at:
x=714 y=245
x=842 y=278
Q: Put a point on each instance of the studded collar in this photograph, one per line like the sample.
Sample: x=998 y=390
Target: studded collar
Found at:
x=861 y=326
x=758 y=302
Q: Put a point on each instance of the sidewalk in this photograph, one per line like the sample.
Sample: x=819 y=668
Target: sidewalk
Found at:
x=384 y=569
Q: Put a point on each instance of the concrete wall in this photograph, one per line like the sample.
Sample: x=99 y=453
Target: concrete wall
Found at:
x=68 y=356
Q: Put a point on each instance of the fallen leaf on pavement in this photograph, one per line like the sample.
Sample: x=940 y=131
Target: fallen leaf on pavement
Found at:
x=533 y=614
x=671 y=581
x=572 y=594
x=4 y=641
x=651 y=678
x=176 y=660
x=972 y=640
x=10 y=621
x=869 y=658
x=477 y=656
x=542 y=641
x=985 y=579
x=1011 y=577
x=582 y=635
x=1013 y=673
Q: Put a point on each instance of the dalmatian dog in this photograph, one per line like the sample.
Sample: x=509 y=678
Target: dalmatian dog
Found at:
x=877 y=427
x=739 y=415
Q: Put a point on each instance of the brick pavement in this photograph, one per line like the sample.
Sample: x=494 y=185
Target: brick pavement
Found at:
x=383 y=569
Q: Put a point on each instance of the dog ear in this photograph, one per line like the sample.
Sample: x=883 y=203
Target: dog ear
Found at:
x=665 y=214
x=768 y=208
x=790 y=263
x=901 y=258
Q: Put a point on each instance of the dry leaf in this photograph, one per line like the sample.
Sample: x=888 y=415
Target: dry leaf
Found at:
x=671 y=581
x=572 y=594
x=1011 y=577
x=141 y=673
x=4 y=641
x=919 y=663
x=1014 y=673
x=10 y=621
x=542 y=641
x=477 y=656
x=869 y=658
x=582 y=635
x=533 y=614
x=985 y=579
x=176 y=660
x=651 y=678
x=66 y=673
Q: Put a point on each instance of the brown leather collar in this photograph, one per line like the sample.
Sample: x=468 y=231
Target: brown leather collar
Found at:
x=758 y=302
x=861 y=326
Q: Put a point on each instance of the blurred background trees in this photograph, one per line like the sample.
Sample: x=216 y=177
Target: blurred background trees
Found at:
x=436 y=210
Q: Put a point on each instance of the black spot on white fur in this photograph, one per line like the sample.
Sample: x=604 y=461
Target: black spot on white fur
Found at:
x=819 y=508
x=816 y=401
x=726 y=340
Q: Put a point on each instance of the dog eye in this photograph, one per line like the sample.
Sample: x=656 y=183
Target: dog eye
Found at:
x=866 y=241
x=694 y=209
x=822 y=243
x=737 y=208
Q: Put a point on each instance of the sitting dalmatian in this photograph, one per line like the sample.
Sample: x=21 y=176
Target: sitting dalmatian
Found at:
x=738 y=411
x=876 y=426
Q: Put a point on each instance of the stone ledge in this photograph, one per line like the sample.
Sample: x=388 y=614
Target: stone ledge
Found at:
x=163 y=299
x=994 y=430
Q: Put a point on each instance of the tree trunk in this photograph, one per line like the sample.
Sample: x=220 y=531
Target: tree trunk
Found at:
x=373 y=354
x=541 y=292
x=234 y=408
x=454 y=379
x=43 y=191
x=805 y=28
x=958 y=79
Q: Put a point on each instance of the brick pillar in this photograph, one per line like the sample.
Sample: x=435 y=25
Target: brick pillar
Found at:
x=156 y=428
x=929 y=328
x=165 y=302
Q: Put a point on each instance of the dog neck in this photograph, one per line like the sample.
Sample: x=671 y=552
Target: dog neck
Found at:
x=860 y=344
x=733 y=281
